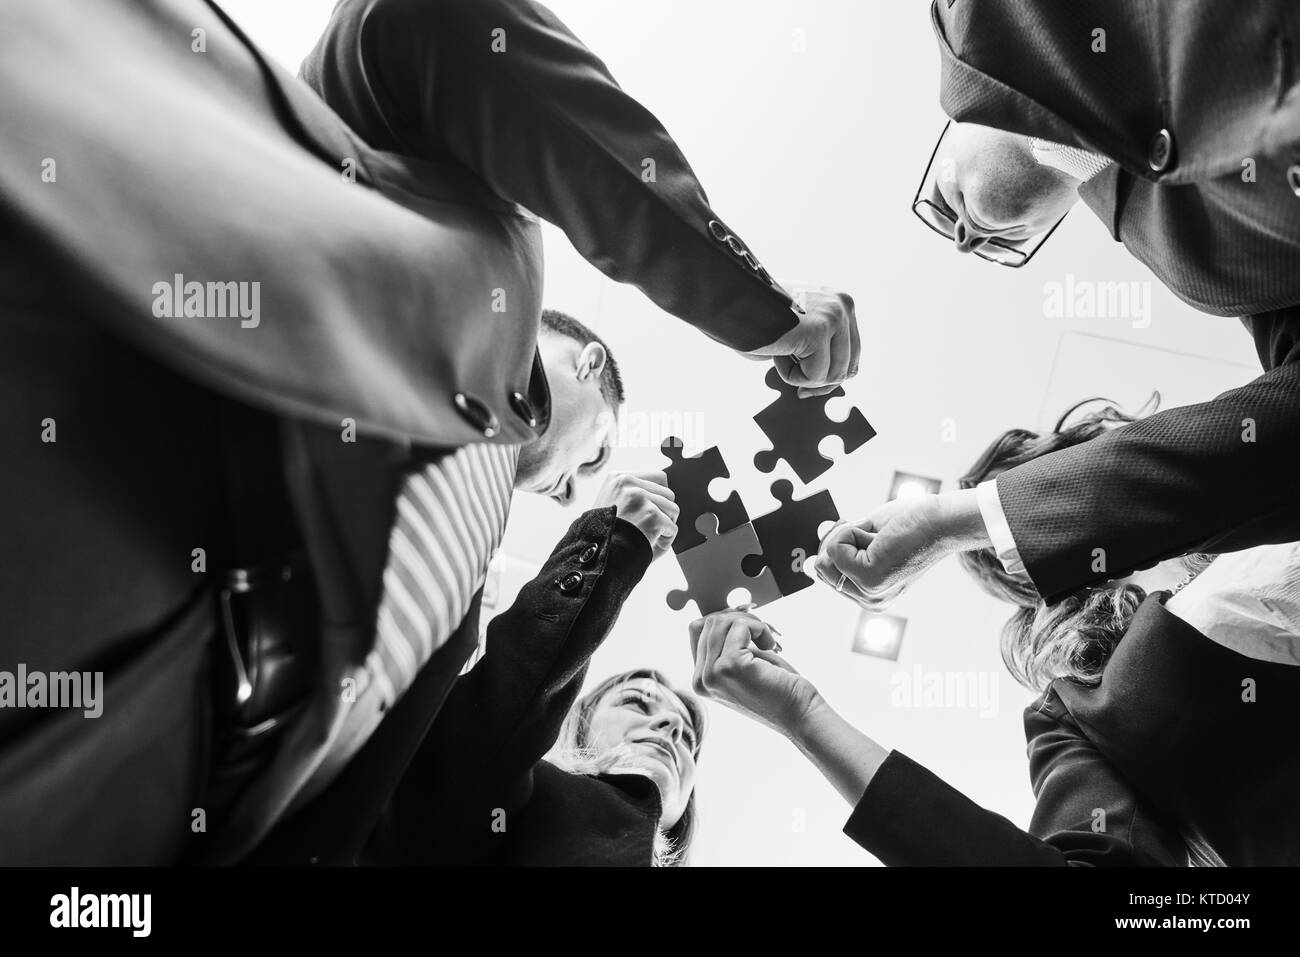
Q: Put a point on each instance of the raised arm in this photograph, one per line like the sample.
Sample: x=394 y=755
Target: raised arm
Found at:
x=904 y=814
x=1217 y=476
x=503 y=87
x=502 y=717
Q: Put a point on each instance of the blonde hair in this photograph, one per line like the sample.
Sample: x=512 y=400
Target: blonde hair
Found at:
x=572 y=752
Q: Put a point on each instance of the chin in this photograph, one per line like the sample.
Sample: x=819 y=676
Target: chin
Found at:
x=664 y=779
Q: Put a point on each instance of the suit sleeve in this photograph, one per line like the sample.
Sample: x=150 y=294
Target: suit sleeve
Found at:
x=501 y=718
x=503 y=87
x=1085 y=815
x=1215 y=477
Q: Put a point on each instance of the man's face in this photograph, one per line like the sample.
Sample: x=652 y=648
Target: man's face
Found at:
x=578 y=441
x=990 y=183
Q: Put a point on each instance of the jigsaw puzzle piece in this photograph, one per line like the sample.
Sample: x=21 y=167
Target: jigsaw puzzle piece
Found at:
x=795 y=426
x=713 y=570
x=788 y=535
x=689 y=478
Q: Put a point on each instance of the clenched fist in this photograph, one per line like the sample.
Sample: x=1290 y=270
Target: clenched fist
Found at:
x=823 y=349
x=873 y=560
x=645 y=500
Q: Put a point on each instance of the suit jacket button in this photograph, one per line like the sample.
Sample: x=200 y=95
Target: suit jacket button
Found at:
x=477 y=414
x=718 y=231
x=735 y=246
x=523 y=408
x=1293 y=178
x=1161 y=156
x=569 y=583
x=588 y=554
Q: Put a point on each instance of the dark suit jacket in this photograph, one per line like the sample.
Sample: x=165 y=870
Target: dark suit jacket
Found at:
x=478 y=790
x=379 y=274
x=1220 y=78
x=1182 y=738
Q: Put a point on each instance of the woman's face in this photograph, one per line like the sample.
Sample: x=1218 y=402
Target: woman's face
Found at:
x=652 y=728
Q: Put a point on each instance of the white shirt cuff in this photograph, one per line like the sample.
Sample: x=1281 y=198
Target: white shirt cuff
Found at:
x=995 y=523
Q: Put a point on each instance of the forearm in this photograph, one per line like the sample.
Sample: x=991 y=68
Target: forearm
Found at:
x=909 y=816
x=1196 y=478
x=505 y=714
x=504 y=88
x=846 y=757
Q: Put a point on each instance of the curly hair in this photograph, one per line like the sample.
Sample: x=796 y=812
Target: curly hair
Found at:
x=1075 y=637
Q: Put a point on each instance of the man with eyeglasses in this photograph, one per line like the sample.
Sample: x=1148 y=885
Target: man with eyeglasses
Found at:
x=1179 y=126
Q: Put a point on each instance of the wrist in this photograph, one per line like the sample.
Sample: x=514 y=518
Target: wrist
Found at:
x=629 y=549
x=962 y=522
x=805 y=728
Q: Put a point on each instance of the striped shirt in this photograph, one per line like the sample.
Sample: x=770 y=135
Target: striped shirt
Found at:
x=451 y=516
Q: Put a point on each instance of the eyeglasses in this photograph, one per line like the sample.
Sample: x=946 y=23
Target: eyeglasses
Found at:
x=931 y=209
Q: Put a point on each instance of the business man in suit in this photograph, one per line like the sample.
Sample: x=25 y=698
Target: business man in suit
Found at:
x=1180 y=127
x=241 y=344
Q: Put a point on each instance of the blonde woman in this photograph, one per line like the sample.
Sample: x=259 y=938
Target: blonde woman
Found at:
x=518 y=770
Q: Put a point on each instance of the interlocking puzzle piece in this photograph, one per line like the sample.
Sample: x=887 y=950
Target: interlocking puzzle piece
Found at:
x=689 y=477
x=714 y=569
x=788 y=535
x=796 y=425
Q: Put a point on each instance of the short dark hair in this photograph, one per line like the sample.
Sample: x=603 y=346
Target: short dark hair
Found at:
x=611 y=382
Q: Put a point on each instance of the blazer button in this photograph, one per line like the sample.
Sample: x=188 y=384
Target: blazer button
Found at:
x=588 y=554
x=718 y=231
x=1293 y=178
x=736 y=248
x=569 y=583
x=523 y=408
x=1161 y=156
x=477 y=414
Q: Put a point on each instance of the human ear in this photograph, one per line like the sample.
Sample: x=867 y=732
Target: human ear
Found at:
x=591 y=361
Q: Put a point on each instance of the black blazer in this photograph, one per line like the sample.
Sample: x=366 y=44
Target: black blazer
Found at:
x=1182 y=738
x=377 y=265
x=478 y=790
x=1219 y=79
x=1180 y=98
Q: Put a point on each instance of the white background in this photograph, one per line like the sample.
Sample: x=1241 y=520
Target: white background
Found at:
x=813 y=158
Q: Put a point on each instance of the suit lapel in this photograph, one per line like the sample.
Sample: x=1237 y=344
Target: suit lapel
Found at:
x=316 y=126
x=345 y=496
